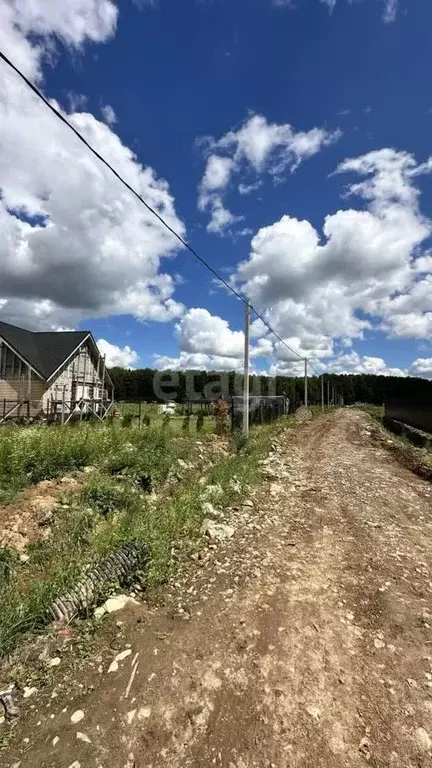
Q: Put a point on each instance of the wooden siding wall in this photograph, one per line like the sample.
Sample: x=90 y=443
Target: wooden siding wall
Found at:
x=73 y=371
x=14 y=391
x=14 y=385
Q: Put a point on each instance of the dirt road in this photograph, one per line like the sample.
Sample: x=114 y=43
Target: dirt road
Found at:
x=306 y=641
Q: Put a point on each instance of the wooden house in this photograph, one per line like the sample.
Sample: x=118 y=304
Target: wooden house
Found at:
x=57 y=375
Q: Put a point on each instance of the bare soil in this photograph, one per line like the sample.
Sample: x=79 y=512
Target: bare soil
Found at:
x=20 y=522
x=305 y=640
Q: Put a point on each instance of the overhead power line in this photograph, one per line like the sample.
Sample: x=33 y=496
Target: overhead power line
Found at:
x=128 y=186
x=314 y=369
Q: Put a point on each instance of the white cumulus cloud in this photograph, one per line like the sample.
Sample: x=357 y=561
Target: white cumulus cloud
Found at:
x=365 y=271
x=124 y=357
x=258 y=147
x=207 y=342
x=75 y=244
x=355 y=363
x=422 y=367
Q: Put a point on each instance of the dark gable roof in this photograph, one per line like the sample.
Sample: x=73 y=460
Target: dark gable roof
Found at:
x=44 y=351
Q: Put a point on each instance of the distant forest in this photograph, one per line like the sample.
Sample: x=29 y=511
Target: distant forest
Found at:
x=139 y=385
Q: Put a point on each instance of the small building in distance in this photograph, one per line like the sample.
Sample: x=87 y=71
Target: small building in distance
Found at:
x=54 y=374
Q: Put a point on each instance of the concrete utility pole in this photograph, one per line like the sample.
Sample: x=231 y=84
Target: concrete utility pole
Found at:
x=322 y=391
x=306 y=383
x=246 y=372
x=328 y=392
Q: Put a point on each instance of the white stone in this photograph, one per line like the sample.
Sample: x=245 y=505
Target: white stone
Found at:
x=83 y=737
x=130 y=716
x=55 y=741
x=113 y=604
x=54 y=662
x=29 y=691
x=423 y=740
x=77 y=716
x=209 y=510
x=313 y=712
x=217 y=531
x=144 y=713
x=120 y=657
x=379 y=643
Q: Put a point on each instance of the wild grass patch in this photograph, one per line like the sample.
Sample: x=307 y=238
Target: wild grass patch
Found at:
x=113 y=510
x=28 y=455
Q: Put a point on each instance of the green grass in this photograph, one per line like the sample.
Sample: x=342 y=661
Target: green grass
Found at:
x=31 y=454
x=376 y=411
x=150 y=411
x=109 y=513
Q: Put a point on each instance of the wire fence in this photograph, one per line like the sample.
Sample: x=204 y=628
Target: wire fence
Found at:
x=261 y=410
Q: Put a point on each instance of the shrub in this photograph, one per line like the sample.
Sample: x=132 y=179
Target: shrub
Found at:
x=239 y=441
x=200 y=422
x=221 y=413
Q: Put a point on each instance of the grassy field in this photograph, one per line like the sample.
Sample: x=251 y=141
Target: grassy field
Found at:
x=31 y=454
x=112 y=508
x=149 y=413
x=376 y=411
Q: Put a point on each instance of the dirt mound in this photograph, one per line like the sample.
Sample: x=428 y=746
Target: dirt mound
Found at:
x=28 y=519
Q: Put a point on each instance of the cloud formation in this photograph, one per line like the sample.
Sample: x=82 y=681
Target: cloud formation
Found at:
x=108 y=114
x=366 y=271
x=207 y=342
x=75 y=244
x=389 y=7
x=257 y=147
x=124 y=357
x=422 y=367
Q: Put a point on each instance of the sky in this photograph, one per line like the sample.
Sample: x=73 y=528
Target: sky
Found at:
x=288 y=142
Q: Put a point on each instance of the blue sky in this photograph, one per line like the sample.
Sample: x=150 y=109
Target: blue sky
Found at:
x=217 y=97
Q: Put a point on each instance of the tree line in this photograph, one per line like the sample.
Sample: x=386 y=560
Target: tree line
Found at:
x=149 y=385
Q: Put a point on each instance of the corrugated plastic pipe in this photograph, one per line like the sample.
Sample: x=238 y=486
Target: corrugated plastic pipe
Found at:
x=118 y=568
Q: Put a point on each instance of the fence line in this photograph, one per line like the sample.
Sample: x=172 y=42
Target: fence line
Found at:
x=416 y=413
